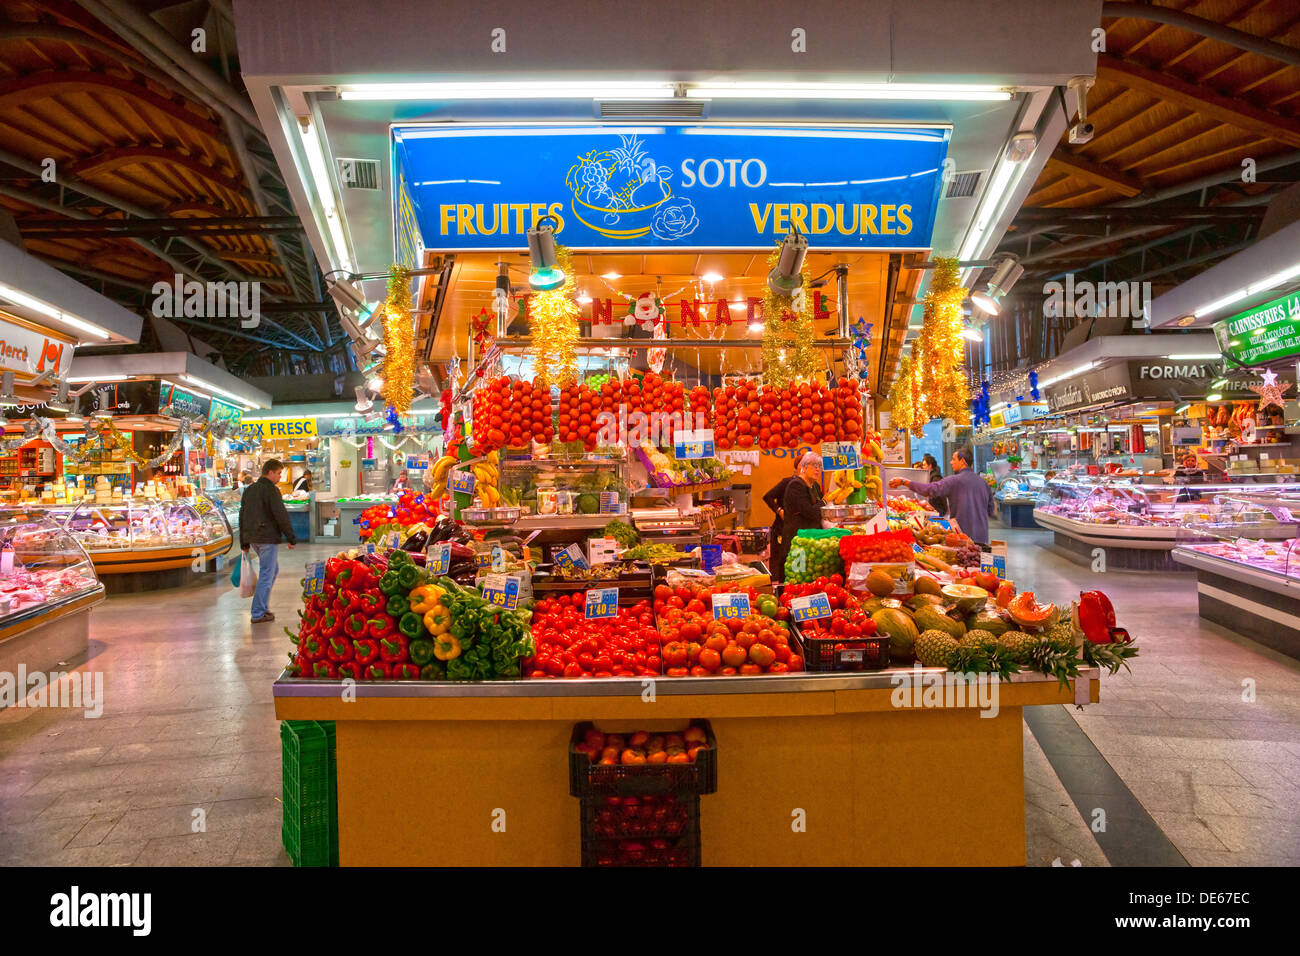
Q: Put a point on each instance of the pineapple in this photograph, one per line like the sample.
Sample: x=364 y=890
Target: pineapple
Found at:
x=980 y=640
x=1061 y=636
x=1016 y=645
x=934 y=648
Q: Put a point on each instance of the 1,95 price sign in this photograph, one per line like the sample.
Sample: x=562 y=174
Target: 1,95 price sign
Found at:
x=730 y=606
x=502 y=590
x=810 y=607
x=602 y=602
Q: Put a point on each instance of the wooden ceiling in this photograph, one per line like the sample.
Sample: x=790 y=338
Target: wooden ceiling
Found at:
x=675 y=276
x=110 y=163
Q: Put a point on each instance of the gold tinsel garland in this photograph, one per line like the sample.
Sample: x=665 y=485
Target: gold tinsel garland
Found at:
x=788 y=336
x=940 y=350
x=399 y=341
x=553 y=323
x=902 y=413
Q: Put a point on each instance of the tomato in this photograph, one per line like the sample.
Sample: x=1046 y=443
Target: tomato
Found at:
x=685 y=595
x=796 y=662
x=710 y=659
x=780 y=667
x=782 y=652
x=733 y=655
x=698 y=671
x=762 y=655
x=572 y=670
x=749 y=670
x=715 y=642
x=663 y=592
x=676 y=672
x=675 y=654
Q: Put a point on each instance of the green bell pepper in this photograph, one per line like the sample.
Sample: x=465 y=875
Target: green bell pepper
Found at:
x=411 y=625
x=409 y=576
x=397 y=605
x=433 y=671
x=421 y=652
x=391 y=584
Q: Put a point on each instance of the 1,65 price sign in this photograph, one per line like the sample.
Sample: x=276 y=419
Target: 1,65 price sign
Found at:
x=810 y=607
x=730 y=606
x=602 y=602
x=840 y=456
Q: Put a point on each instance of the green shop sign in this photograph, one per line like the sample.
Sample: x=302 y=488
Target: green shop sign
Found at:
x=1262 y=334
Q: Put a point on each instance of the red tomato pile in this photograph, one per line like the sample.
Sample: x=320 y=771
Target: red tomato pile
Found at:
x=643 y=747
x=875 y=548
x=569 y=644
x=833 y=586
x=642 y=831
x=510 y=414
x=581 y=409
x=750 y=416
x=697 y=645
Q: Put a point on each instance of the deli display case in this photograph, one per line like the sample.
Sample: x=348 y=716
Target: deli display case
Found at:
x=1246 y=556
x=163 y=540
x=1136 y=523
x=47 y=586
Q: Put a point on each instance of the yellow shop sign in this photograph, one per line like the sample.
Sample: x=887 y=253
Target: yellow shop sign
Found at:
x=278 y=428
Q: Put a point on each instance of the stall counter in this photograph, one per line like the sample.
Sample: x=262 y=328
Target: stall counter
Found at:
x=350 y=513
x=873 y=784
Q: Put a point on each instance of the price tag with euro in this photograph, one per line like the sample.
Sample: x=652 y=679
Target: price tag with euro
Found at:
x=439 y=559
x=602 y=602
x=501 y=590
x=810 y=607
x=840 y=456
x=730 y=606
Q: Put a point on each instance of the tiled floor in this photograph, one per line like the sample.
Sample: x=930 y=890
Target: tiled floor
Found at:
x=189 y=726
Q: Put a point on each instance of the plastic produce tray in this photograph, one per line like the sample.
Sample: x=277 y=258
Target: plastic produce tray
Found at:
x=820 y=655
x=647 y=831
x=590 y=780
x=307 y=782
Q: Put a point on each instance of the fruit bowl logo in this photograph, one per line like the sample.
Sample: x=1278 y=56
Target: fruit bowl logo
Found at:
x=624 y=194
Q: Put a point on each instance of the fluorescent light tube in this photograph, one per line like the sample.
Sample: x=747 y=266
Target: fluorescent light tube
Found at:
x=846 y=91
x=1220 y=303
x=1276 y=278
x=536 y=89
x=31 y=302
x=1195 y=356
x=988 y=209
x=220 y=391
x=78 y=379
x=324 y=183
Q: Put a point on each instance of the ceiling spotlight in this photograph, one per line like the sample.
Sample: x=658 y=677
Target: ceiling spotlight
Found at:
x=583 y=298
x=1186 y=320
x=756 y=326
x=364 y=404
x=711 y=277
x=1213 y=396
x=1219 y=383
x=1182 y=408
x=501 y=292
x=546 y=274
x=1004 y=277
x=59 y=402
x=611 y=275
x=788 y=274
x=974 y=334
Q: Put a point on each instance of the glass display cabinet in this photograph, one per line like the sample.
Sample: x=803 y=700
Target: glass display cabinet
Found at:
x=42 y=568
x=140 y=525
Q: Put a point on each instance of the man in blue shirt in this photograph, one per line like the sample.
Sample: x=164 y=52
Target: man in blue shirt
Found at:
x=970 y=499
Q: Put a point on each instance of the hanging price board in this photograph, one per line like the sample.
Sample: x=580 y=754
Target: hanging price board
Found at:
x=840 y=456
x=693 y=444
x=315 y=583
x=571 y=557
x=439 y=559
x=502 y=590
x=810 y=607
x=730 y=605
x=602 y=602
x=461 y=481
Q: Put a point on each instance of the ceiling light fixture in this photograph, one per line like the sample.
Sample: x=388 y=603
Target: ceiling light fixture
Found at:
x=53 y=312
x=220 y=391
x=760 y=90
x=546 y=274
x=1007 y=273
x=512 y=90
x=756 y=326
x=1276 y=278
x=319 y=168
x=364 y=404
x=973 y=334
x=611 y=276
x=1220 y=303
x=788 y=273
x=1194 y=356
x=80 y=379
x=711 y=277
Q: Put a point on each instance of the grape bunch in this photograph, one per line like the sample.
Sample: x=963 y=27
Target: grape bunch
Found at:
x=968 y=556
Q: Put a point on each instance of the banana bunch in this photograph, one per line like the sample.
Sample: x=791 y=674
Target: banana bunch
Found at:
x=441 y=468
x=487 y=478
x=843 y=484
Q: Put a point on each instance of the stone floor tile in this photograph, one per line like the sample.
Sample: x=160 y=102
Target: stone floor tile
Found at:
x=1188 y=831
x=191 y=849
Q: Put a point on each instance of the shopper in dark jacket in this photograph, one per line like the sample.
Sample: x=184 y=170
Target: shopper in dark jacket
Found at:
x=775 y=499
x=262 y=521
x=801 y=507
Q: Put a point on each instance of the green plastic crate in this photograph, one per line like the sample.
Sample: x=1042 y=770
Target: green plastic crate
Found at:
x=306 y=776
x=328 y=727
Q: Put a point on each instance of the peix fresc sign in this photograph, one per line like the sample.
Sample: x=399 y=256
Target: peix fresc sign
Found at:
x=278 y=428
x=689 y=186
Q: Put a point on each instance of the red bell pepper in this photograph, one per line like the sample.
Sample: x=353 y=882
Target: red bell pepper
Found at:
x=331 y=625
x=312 y=648
x=300 y=666
x=377 y=670
x=354 y=626
x=351 y=669
x=332 y=568
x=371 y=603
x=331 y=594
x=347 y=576
x=381 y=627
x=404 y=670
x=325 y=670
x=1093 y=617
x=395 y=649
x=339 y=650
x=365 y=650
x=346 y=602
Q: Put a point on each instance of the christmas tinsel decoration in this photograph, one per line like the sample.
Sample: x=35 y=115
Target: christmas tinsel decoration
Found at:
x=553 y=324
x=940 y=350
x=789 y=354
x=902 y=413
x=399 y=341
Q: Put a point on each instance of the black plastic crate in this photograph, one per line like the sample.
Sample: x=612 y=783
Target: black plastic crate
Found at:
x=820 y=655
x=587 y=779
x=654 y=831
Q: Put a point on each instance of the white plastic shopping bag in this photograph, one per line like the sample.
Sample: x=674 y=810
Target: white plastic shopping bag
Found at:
x=247 y=577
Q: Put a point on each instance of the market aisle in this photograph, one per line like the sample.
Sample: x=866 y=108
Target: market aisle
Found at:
x=1220 y=775
x=188 y=725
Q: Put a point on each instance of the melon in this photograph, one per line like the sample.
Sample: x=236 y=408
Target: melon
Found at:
x=880 y=583
x=931 y=618
x=901 y=630
x=967 y=597
x=927 y=585
x=988 y=621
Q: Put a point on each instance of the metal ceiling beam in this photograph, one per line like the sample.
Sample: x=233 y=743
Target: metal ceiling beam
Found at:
x=113 y=228
x=1096 y=173
x=1203 y=27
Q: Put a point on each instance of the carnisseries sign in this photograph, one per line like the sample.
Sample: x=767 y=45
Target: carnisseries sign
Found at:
x=1262 y=334
x=661 y=186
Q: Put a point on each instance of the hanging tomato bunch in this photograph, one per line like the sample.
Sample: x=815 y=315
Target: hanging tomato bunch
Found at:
x=582 y=409
x=752 y=416
x=510 y=414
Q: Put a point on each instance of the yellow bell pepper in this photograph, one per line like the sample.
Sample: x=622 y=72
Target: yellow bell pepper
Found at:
x=437 y=620
x=425 y=598
x=446 y=647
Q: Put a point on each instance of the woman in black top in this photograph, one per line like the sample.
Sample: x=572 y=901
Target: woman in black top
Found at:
x=939 y=502
x=775 y=500
x=801 y=507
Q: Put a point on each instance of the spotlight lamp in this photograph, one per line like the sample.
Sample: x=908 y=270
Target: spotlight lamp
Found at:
x=1214 y=396
x=364 y=404
x=1007 y=273
x=788 y=274
x=546 y=274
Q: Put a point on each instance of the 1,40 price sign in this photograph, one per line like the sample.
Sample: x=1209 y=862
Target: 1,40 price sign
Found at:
x=730 y=606
x=810 y=607
x=602 y=602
